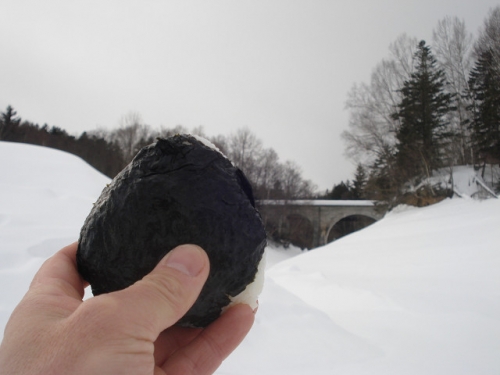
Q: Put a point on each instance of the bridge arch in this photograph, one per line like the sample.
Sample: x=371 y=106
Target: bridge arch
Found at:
x=347 y=225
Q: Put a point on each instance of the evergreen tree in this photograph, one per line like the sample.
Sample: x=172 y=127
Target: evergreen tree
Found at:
x=383 y=182
x=359 y=183
x=421 y=112
x=340 y=191
x=8 y=122
x=484 y=86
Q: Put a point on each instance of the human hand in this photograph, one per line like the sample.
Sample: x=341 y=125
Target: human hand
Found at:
x=52 y=331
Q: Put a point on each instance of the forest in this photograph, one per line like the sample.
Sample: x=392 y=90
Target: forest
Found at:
x=427 y=107
x=109 y=151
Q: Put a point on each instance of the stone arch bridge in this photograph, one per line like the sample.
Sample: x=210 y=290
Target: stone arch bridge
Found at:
x=313 y=223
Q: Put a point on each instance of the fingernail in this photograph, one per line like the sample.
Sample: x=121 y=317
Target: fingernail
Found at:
x=188 y=259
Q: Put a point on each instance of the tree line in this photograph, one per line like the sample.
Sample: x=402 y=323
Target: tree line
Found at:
x=427 y=108
x=109 y=151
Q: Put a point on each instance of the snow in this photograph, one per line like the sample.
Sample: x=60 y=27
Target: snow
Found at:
x=467 y=182
x=421 y=285
x=276 y=253
x=418 y=292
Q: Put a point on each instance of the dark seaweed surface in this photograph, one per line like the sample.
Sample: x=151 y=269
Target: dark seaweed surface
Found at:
x=175 y=191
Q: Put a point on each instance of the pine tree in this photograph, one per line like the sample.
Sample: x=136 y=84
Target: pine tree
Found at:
x=383 y=183
x=340 y=191
x=8 y=122
x=484 y=86
x=421 y=112
x=359 y=183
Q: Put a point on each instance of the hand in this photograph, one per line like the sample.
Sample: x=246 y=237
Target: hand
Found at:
x=52 y=331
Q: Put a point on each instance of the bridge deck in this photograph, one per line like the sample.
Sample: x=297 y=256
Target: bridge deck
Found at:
x=316 y=202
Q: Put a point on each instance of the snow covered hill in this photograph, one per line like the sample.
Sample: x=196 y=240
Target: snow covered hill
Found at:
x=421 y=285
x=416 y=293
x=45 y=195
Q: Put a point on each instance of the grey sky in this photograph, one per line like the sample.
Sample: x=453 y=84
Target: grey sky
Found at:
x=279 y=67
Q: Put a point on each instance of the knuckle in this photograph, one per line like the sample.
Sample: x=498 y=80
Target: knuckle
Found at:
x=167 y=289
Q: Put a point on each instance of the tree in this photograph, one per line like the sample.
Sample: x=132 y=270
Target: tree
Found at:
x=371 y=139
x=132 y=135
x=453 y=49
x=359 y=182
x=371 y=124
x=383 y=184
x=8 y=122
x=270 y=179
x=244 y=151
x=349 y=190
x=103 y=155
x=292 y=183
x=342 y=191
x=269 y=173
x=489 y=38
x=485 y=91
x=422 y=113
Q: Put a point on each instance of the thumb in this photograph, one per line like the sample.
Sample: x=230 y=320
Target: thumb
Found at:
x=163 y=296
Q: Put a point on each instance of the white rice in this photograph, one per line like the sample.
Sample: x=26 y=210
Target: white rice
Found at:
x=251 y=293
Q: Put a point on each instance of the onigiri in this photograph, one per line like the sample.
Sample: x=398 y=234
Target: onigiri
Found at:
x=176 y=191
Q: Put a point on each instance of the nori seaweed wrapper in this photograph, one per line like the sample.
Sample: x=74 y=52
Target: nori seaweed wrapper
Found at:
x=175 y=191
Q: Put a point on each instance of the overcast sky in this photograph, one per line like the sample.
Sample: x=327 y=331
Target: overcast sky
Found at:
x=279 y=67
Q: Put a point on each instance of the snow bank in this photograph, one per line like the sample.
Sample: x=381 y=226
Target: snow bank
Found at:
x=421 y=285
x=45 y=195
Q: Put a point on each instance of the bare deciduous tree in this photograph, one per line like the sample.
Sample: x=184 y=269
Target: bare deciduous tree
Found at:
x=131 y=135
x=489 y=37
x=245 y=150
x=294 y=186
x=372 y=128
x=270 y=178
x=268 y=174
x=453 y=50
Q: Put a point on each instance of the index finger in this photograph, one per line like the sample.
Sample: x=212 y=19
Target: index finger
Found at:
x=59 y=274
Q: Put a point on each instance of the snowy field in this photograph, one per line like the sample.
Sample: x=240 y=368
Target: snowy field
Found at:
x=416 y=293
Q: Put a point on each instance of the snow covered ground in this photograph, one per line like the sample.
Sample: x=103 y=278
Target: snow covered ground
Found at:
x=416 y=293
